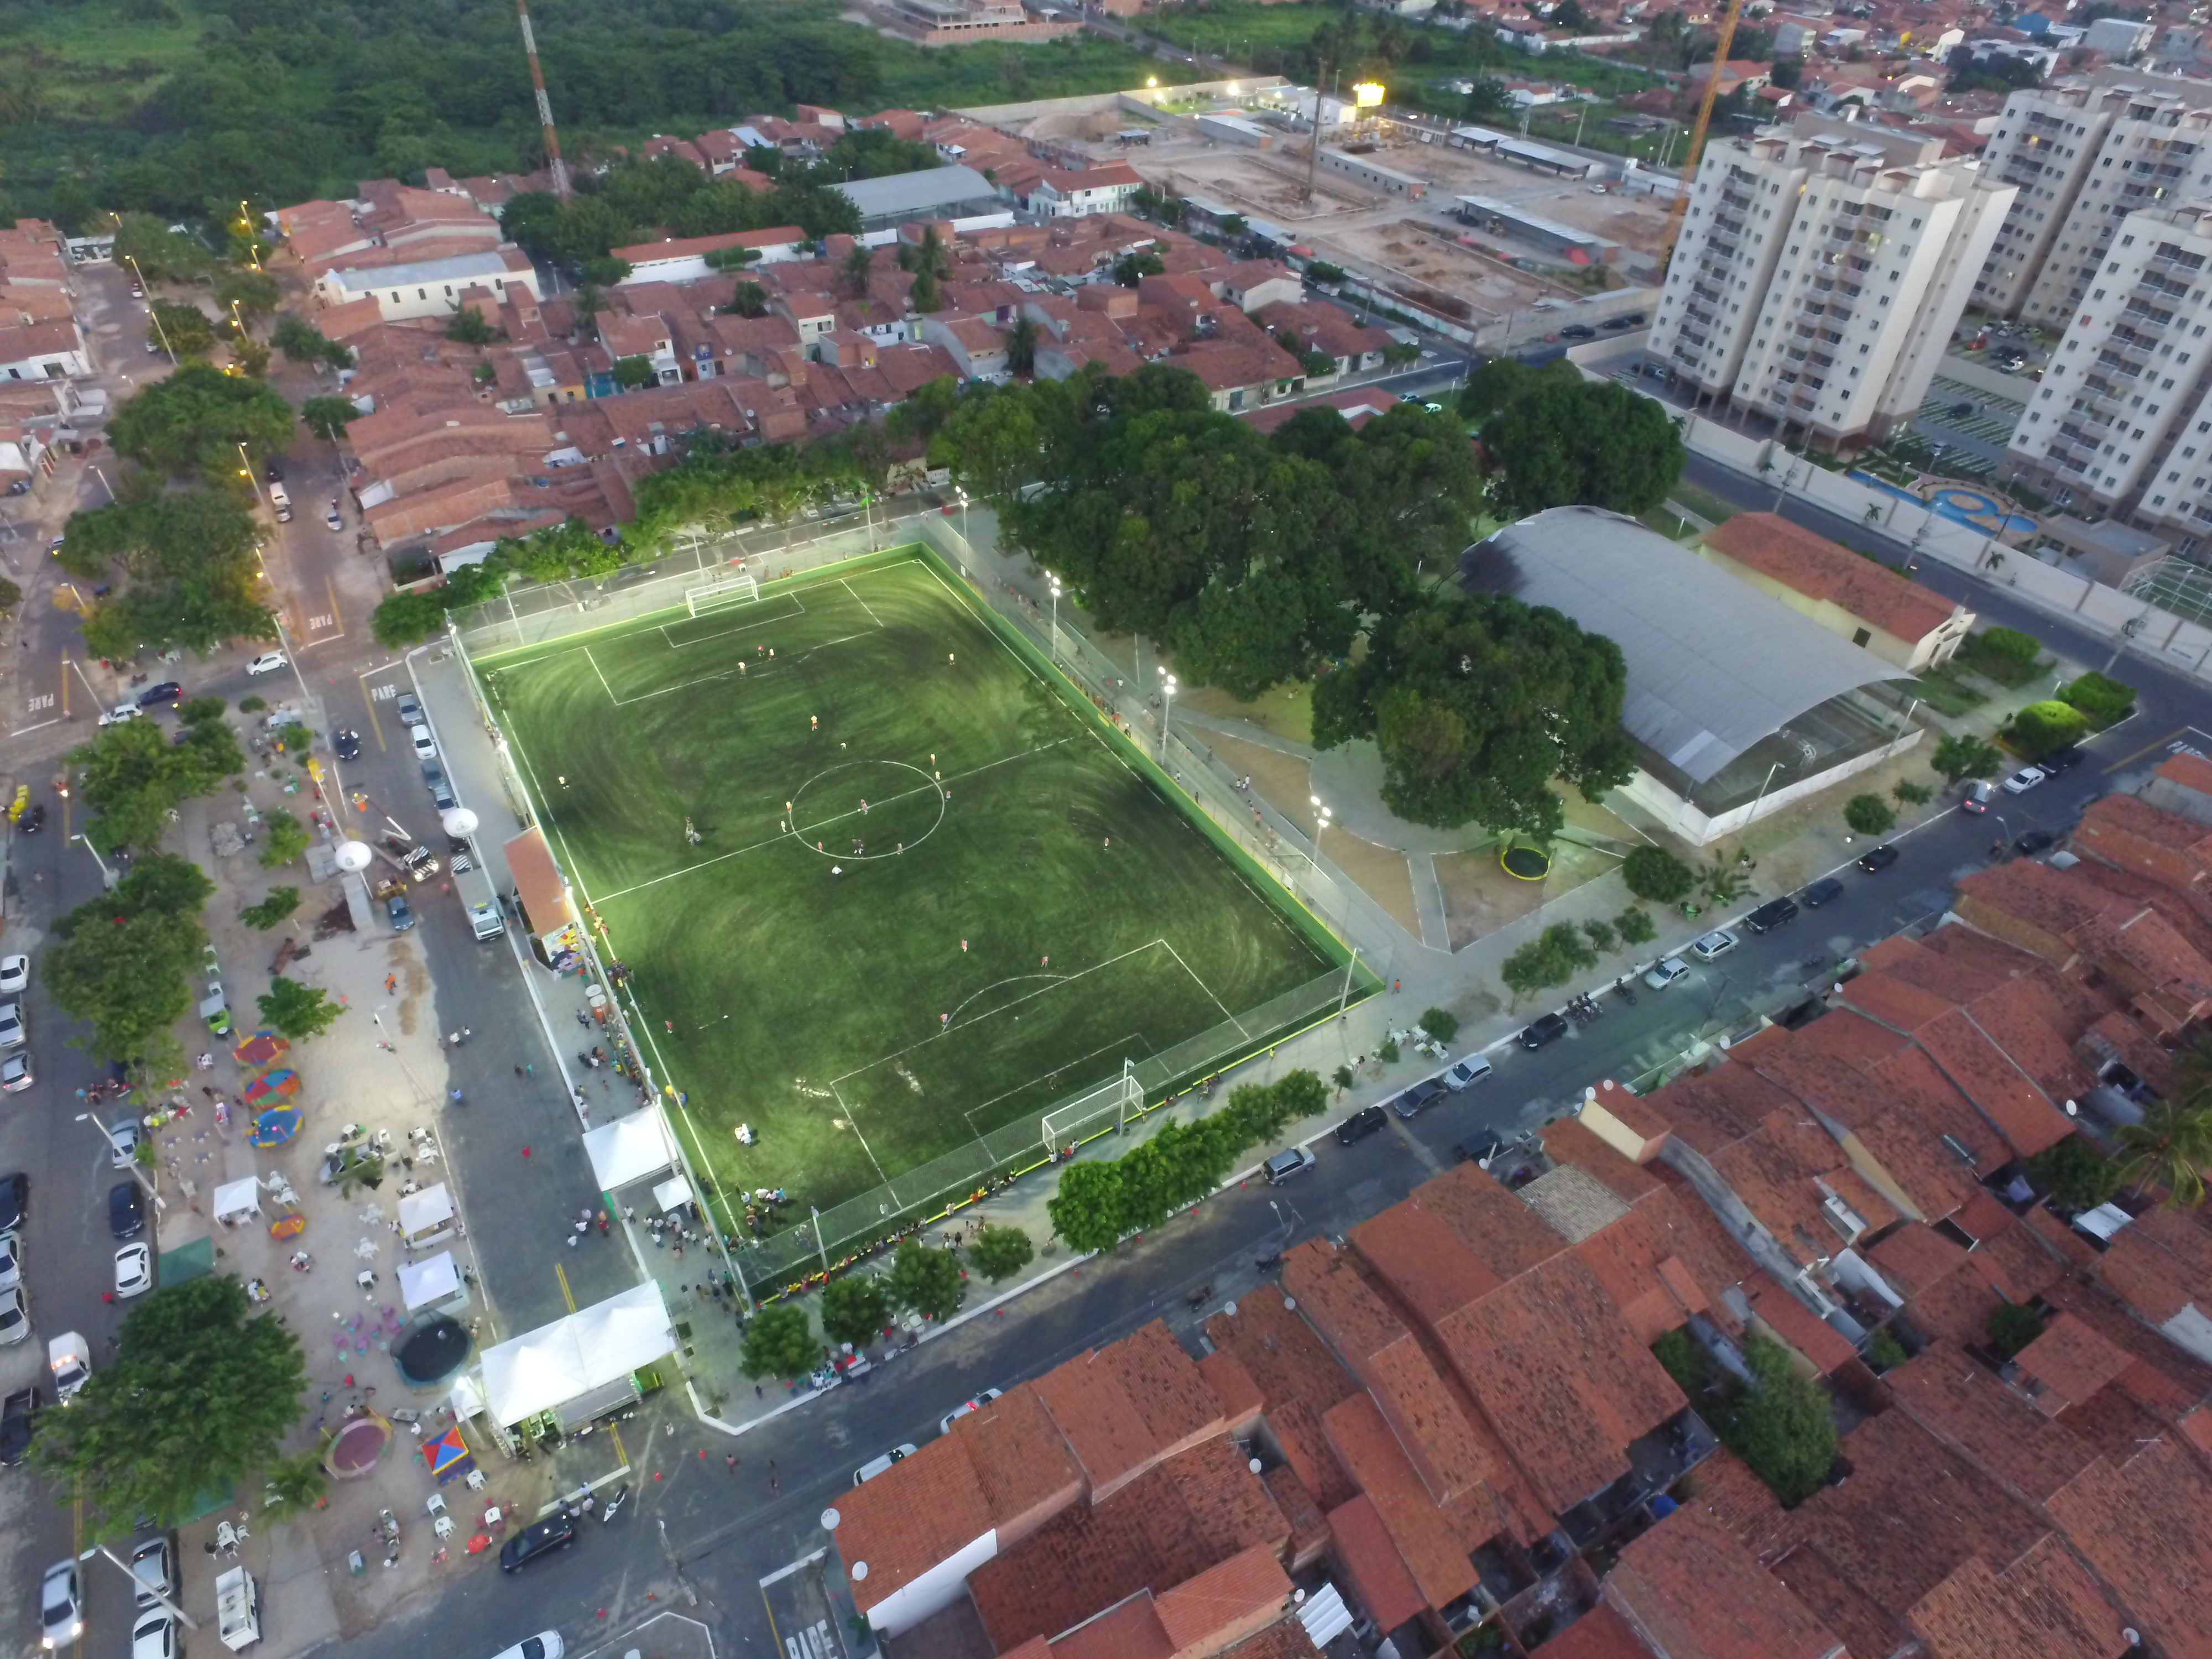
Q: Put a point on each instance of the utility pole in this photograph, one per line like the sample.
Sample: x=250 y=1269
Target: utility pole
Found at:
x=560 y=168
x=1313 y=150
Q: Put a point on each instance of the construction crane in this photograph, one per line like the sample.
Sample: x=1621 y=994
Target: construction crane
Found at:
x=1681 y=202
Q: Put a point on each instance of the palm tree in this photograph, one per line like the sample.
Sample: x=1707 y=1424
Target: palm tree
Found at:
x=1022 y=347
x=2171 y=1148
x=295 y=1485
x=858 y=265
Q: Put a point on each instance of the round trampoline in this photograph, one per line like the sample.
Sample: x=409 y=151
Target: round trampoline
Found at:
x=1525 y=862
x=430 y=1350
x=1983 y=511
x=359 y=1444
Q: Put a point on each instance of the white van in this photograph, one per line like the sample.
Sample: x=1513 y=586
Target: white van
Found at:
x=280 y=502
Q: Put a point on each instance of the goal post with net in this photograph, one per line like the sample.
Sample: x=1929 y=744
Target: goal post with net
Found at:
x=1078 y=1120
x=720 y=594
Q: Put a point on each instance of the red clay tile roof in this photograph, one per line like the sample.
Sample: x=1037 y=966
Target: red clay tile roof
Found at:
x=1131 y=1630
x=1821 y=569
x=1233 y=1386
x=1162 y=1383
x=1379 y=1579
x=2145 y=1528
x=1709 y=1110
x=2135 y=1269
x=1232 y=1595
x=1798 y=1326
x=1103 y=1428
x=1308 y=1526
x=2071 y=1362
x=1568 y=1141
x=1969 y=1408
x=1862 y=1627
x=1422 y=1260
x=1740 y=1501
x=1036 y=1648
x=1287 y=1639
x=2044 y=1604
x=1501 y=1231
x=904 y=1522
x=1424 y=1538
x=2146 y=823
x=1299 y=1378
x=1600 y=1633
x=1690 y=1588
x=2189 y=771
x=1022 y=1466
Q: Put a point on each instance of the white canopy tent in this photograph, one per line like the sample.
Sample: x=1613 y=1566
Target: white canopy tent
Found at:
x=421 y=1212
x=633 y=1148
x=588 y=1350
x=434 y=1278
x=672 y=1193
x=237 y=1198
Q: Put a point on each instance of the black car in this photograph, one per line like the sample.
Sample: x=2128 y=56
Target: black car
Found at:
x=15 y=1199
x=2062 y=759
x=538 y=1538
x=1410 y=1102
x=1481 y=1148
x=1771 y=914
x=396 y=911
x=1547 y=1030
x=274 y=471
x=154 y=696
x=1361 y=1124
x=347 y=741
x=126 y=1210
x=1821 y=892
x=1879 y=858
x=33 y=821
x=2034 y=842
x=18 y=1417
x=1578 y=332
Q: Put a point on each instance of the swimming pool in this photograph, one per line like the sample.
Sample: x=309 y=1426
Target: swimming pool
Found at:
x=1971 y=507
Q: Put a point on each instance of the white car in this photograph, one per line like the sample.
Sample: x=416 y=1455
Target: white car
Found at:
x=869 y=1470
x=61 y=1605
x=330 y=517
x=134 y=1271
x=69 y=1356
x=1665 y=971
x=15 y=975
x=155 y=1636
x=11 y=1024
x=16 y=1073
x=1718 y=943
x=123 y=1141
x=153 y=1564
x=944 y=1423
x=267 y=663
x=11 y=1261
x=2025 y=780
x=1470 y=1071
x=546 y=1644
x=122 y=712
x=425 y=746
x=15 y=1316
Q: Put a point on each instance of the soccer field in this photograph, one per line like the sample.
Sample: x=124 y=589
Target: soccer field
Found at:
x=928 y=897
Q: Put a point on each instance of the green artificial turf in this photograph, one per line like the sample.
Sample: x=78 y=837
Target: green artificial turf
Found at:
x=809 y=1004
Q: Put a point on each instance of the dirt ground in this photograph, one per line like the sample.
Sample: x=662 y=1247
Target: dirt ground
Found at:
x=1287 y=711
x=1439 y=262
x=1480 y=898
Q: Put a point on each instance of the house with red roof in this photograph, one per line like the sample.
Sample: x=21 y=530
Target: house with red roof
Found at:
x=1862 y=599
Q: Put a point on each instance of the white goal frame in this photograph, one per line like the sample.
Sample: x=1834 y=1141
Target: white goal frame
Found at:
x=720 y=594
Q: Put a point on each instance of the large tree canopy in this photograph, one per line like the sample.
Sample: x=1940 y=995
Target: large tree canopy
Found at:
x=124 y=961
x=1476 y=704
x=1256 y=557
x=193 y=422
x=194 y=576
x=1555 y=440
x=201 y=1392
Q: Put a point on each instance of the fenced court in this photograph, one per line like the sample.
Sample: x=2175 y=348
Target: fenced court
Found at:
x=886 y=896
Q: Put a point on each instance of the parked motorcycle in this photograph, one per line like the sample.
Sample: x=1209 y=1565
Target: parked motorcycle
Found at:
x=607 y=1509
x=1624 y=990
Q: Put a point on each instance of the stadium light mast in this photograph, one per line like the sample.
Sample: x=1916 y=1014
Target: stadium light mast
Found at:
x=560 y=168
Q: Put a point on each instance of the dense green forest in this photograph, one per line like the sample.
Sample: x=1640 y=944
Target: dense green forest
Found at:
x=188 y=107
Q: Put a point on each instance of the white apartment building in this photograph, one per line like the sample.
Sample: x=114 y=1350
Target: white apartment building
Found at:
x=1820 y=271
x=2122 y=421
x=2084 y=156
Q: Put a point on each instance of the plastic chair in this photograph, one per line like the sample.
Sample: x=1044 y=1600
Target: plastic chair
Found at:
x=435 y=1505
x=443 y=1526
x=475 y=1478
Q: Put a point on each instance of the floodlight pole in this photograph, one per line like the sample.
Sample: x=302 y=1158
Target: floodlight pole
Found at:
x=1344 y=995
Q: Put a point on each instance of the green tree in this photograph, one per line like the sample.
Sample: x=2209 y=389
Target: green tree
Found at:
x=926 y=1281
x=468 y=325
x=1657 y=876
x=284 y=838
x=326 y=418
x=631 y=373
x=2075 y=1173
x=1086 y=1208
x=2012 y=1325
x=854 y=1310
x=280 y=903
x=859 y=264
x=1558 y=443
x=1600 y=934
x=999 y=1253
x=292 y=1486
x=133 y=777
x=2172 y=1146
x=183 y=328
x=1909 y=793
x=1132 y=268
x=201 y=1389
x=1635 y=926
x=1552 y=957
x=1885 y=1353
x=1869 y=814
x=779 y=1342
x=749 y=299
x=125 y=960
x=1960 y=757
x=161 y=254
x=1441 y=1023
x=193 y=422
x=10 y=597
x=301 y=342
x=1782 y=1425
x=2003 y=654
x=1477 y=702
x=2104 y=701
x=254 y=293
x=299 y=1011
x=569 y=550
x=1022 y=346
x=2041 y=727
x=1488 y=100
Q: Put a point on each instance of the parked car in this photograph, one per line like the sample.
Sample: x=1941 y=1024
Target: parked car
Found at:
x=1713 y=945
x=555 y=1532
x=273 y=470
x=11 y=1261
x=2034 y=842
x=11 y=1024
x=425 y=746
x=1549 y=1028
x=546 y=1644
x=1470 y=1070
x=396 y=911
x=69 y=1356
x=1578 y=332
x=123 y=1138
x=121 y=713
x=1771 y=914
x=2063 y=758
x=974 y=1402
x=409 y=710
x=15 y=975
x=1665 y=971
x=126 y=1210
x=1878 y=859
x=330 y=517
x=15 y=1199
x=15 y=1072
x=1480 y=1149
x=875 y=1466
x=155 y=1636
x=347 y=741
x=267 y=663
x=442 y=796
x=61 y=1605
x=2024 y=780
x=154 y=696
x=15 y=1316
x=1821 y=892
x=1979 y=794
x=153 y=1564
x=1284 y=1165
x=134 y=1271
x=1410 y=1101
x=1361 y=1124
x=19 y=1421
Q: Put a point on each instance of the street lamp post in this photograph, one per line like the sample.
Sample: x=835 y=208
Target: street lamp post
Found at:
x=964 y=518
x=160 y=333
x=115 y=1146
x=104 y=484
x=107 y=875
x=245 y=471
x=1056 y=614
x=1167 y=709
x=1322 y=815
